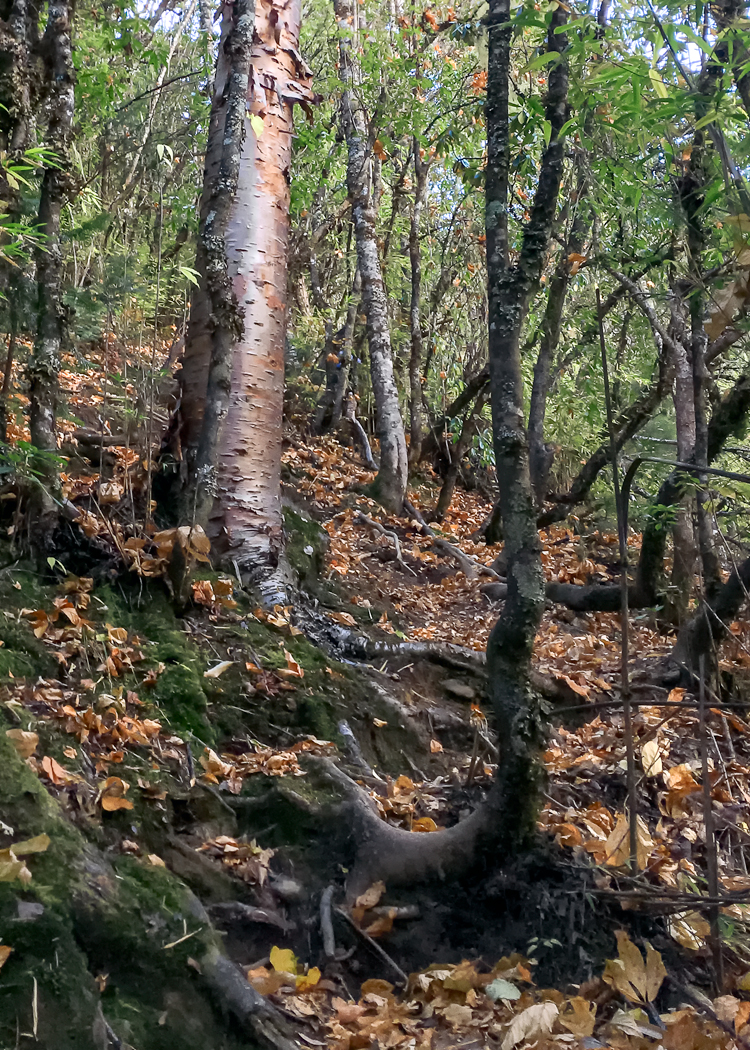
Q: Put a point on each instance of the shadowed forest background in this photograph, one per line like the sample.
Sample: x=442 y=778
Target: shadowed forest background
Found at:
x=374 y=539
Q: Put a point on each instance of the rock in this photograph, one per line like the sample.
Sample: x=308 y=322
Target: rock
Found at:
x=459 y=689
x=288 y=889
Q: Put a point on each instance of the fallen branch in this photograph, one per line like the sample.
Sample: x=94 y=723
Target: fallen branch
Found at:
x=326 y=923
x=469 y=566
x=372 y=524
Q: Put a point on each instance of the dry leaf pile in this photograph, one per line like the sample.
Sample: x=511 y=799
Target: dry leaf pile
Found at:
x=475 y=1005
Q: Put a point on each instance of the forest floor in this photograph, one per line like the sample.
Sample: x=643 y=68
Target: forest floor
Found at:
x=161 y=779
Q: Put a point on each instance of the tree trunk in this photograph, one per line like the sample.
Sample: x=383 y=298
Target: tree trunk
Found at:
x=338 y=353
x=683 y=539
x=389 y=486
x=217 y=303
x=468 y=430
x=541 y=455
x=421 y=169
x=246 y=522
x=45 y=363
x=197 y=358
x=509 y=649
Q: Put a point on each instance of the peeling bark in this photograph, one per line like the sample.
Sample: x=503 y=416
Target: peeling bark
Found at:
x=389 y=486
x=246 y=523
x=217 y=294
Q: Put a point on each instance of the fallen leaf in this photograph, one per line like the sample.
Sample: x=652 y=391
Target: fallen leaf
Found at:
x=218 y=669
x=435 y=747
x=39 y=844
x=651 y=758
x=306 y=981
x=636 y=980
x=283 y=960
x=371 y=896
x=4 y=953
x=502 y=989
x=579 y=1017
x=24 y=742
x=532 y=1022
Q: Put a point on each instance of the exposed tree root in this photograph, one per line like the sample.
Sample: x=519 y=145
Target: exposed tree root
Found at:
x=469 y=566
x=389 y=534
x=262 y=1021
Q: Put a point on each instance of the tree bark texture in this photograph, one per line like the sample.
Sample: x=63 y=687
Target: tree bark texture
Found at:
x=540 y=456
x=389 y=486
x=421 y=170
x=226 y=325
x=246 y=522
x=509 y=649
x=45 y=362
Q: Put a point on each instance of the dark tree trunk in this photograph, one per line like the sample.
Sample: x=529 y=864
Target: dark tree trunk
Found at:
x=468 y=430
x=338 y=355
x=45 y=363
x=434 y=442
x=509 y=649
x=540 y=454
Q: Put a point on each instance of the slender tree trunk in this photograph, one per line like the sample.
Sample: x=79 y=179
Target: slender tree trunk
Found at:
x=683 y=539
x=45 y=363
x=421 y=170
x=246 y=522
x=468 y=431
x=509 y=649
x=389 y=486
x=540 y=454
x=338 y=351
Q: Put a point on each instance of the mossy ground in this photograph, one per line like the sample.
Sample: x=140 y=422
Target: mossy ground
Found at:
x=99 y=942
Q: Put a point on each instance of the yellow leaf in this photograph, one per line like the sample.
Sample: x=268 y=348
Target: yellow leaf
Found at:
x=744 y=982
x=292 y=669
x=4 y=953
x=379 y=723
x=11 y=868
x=24 y=743
x=308 y=980
x=637 y=981
x=39 y=844
x=283 y=960
x=256 y=123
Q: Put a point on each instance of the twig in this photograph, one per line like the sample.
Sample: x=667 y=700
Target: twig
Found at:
x=375 y=946
x=371 y=523
x=326 y=923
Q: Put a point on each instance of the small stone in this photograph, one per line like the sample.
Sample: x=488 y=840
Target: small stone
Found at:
x=288 y=889
x=28 y=911
x=459 y=689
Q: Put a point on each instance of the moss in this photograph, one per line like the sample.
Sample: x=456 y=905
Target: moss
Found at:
x=21 y=654
x=306 y=546
x=179 y=693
